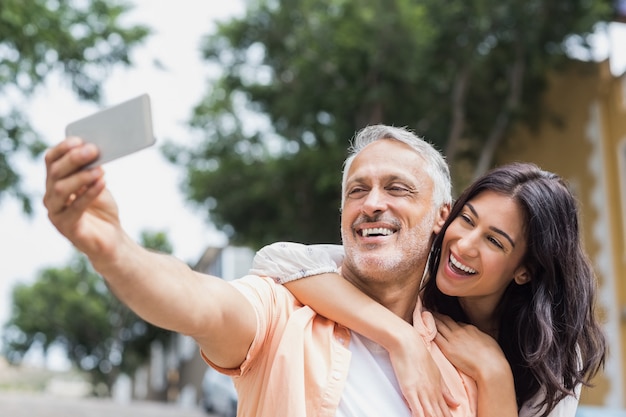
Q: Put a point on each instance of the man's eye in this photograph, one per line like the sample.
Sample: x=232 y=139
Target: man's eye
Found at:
x=355 y=192
x=397 y=190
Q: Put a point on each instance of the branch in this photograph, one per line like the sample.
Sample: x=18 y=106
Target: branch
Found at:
x=459 y=92
x=504 y=118
x=371 y=113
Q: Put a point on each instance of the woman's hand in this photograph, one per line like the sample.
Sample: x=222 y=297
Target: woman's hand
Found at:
x=469 y=349
x=332 y=296
x=419 y=377
x=479 y=356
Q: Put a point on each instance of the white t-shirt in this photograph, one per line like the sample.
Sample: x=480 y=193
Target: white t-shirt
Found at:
x=565 y=408
x=371 y=389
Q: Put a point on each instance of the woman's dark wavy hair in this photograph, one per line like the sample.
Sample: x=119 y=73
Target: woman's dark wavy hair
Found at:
x=548 y=329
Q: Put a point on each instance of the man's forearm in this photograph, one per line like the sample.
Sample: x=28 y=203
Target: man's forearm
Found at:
x=149 y=283
x=169 y=294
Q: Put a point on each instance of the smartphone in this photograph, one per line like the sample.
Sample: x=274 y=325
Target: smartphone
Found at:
x=118 y=130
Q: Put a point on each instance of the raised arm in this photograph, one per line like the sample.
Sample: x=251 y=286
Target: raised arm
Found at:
x=158 y=287
x=330 y=295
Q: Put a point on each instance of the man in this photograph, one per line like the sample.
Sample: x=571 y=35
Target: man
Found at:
x=285 y=359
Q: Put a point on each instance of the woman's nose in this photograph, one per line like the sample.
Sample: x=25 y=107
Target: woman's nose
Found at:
x=467 y=244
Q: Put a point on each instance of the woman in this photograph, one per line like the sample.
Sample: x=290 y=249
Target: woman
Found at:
x=508 y=267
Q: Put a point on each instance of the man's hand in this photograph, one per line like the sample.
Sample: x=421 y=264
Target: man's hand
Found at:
x=78 y=204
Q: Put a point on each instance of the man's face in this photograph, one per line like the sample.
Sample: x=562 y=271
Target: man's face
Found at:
x=388 y=216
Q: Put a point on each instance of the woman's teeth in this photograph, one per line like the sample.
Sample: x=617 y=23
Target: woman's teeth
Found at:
x=458 y=265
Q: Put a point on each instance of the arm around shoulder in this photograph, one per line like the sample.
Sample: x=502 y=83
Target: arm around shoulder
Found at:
x=288 y=261
x=330 y=295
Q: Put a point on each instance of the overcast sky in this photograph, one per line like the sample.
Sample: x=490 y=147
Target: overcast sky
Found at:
x=145 y=186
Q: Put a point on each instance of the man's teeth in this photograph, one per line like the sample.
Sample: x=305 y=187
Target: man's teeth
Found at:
x=376 y=231
x=460 y=266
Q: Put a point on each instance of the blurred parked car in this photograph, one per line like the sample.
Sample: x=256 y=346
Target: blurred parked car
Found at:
x=593 y=411
x=218 y=394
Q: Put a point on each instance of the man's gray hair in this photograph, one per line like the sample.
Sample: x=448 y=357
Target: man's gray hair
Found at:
x=436 y=166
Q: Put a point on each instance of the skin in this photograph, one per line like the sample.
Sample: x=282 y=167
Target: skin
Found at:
x=487 y=240
x=161 y=289
x=479 y=356
x=387 y=188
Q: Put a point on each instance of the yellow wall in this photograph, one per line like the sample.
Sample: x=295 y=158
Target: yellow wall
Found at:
x=584 y=122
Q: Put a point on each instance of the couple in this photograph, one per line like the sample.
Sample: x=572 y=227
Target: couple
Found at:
x=516 y=272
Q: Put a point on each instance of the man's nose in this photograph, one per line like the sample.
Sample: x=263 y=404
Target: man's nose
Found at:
x=374 y=202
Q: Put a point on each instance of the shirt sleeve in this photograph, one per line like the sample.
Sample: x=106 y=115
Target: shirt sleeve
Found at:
x=565 y=408
x=288 y=261
x=269 y=302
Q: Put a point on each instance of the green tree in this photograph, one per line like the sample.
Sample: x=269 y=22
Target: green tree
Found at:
x=300 y=76
x=71 y=307
x=79 y=40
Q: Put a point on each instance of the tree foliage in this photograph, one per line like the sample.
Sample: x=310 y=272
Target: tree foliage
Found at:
x=71 y=307
x=79 y=40
x=301 y=76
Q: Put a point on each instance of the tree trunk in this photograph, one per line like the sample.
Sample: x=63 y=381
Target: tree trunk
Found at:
x=503 y=120
x=458 y=113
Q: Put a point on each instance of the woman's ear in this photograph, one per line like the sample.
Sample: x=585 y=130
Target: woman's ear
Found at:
x=521 y=276
x=442 y=215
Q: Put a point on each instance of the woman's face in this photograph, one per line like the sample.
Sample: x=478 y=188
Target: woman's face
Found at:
x=482 y=251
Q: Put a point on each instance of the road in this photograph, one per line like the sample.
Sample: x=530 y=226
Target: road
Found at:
x=19 y=404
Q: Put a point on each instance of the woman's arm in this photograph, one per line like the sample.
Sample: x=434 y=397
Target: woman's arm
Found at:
x=418 y=375
x=478 y=355
x=332 y=296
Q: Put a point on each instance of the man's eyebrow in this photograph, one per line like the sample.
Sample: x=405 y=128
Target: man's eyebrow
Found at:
x=361 y=179
x=495 y=229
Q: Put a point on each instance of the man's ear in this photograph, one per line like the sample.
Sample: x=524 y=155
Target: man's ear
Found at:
x=521 y=276
x=442 y=215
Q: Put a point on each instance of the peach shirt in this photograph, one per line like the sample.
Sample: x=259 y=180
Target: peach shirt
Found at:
x=298 y=362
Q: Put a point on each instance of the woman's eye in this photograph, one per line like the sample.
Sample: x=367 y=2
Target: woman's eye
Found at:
x=466 y=218
x=495 y=242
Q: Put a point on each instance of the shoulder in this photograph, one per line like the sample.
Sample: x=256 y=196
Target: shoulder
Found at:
x=263 y=290
x=288 y=261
